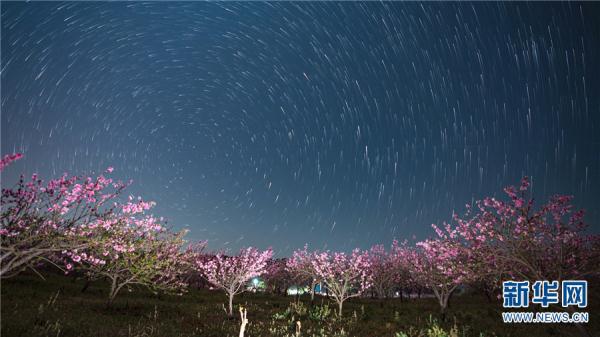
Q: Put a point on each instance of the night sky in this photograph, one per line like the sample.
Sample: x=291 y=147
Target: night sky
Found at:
x=340 y=125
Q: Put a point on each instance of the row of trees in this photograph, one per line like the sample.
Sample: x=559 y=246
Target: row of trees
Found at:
x=84 y=225
x=494 y=240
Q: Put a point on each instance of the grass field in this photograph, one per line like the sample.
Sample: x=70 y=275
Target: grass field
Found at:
x=58 y=307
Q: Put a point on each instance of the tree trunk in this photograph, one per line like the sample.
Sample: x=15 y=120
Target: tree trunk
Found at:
x=443 y=313
x=230 y=313
x=340 y=304
x=114 y=289
x=443 y=299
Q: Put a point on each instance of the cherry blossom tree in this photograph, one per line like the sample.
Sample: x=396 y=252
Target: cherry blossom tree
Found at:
x=277 y=276
x=402 y=256
x=231 y=273
x=300 y=265
x=132 y=248
x=383 y=271
x=190 y=275
x=78 y=222
x=41 y=219
x=345 y=275
x=514 y=237
x=440 y=264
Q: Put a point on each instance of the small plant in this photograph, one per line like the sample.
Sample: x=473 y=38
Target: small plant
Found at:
x=436 y=331
x=433 y=330
x=294 y=309
x=281 y=316
x=319 y=313
x=298 y=308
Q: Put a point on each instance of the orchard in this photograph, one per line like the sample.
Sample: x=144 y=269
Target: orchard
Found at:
x=84 y=227
x=300 y=168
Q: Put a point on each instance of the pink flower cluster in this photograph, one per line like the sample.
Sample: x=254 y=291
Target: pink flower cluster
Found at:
x=8 y=159
x=231 y=273
x=134 y=207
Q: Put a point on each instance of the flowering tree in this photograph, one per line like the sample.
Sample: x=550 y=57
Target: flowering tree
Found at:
x=40 y=220
x=548 y=243
x=514 y=238
x=190 y=274
x=383 y=271
x=440 y=264
x=401 y=257
x=131 y=248
x=300 y=265
x=231 y=273
x=277 y=276
x=345 y=275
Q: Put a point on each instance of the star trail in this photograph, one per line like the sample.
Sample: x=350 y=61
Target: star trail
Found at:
x=333 y=124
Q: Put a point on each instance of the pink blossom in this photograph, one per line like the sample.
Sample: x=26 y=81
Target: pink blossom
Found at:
x=8 y=159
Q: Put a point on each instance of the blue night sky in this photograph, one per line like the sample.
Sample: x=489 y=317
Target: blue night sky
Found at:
x=333 y=124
